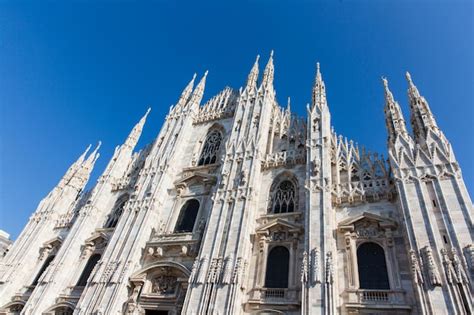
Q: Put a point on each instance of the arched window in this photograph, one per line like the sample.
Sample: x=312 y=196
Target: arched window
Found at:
x=211 y=148
x=187 y=216
x=64 y=311
x=372 y=267
x=278 y=264
x=88 y=270
x=42 y=270
x=284 y=198
x=116 y=213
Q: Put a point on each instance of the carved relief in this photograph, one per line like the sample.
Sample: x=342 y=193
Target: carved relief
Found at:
x=415 y=268
x=431 y=268
x=329 y=268
x=164 y=285
x=316 y=268
x=304 y=268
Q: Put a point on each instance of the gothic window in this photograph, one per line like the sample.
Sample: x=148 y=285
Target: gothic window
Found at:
x=354 y=175
x=116 y=213
x=211 y=147
x=187 y=216
x=284 y=198
x=278 y=263
x=372 y=267
x=93 y=260
x=42 y=270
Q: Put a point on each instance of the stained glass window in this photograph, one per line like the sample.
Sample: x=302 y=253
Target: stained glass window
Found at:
x=284 y=198
x=211 y=147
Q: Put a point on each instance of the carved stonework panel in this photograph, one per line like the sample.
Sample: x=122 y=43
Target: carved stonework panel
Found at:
x=164 y=285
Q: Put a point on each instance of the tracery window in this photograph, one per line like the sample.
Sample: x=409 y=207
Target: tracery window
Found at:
x=372 y=266
x=278 y=263
x=284 y=198
x=211 y=148
x=116 y=213
x=42 y=270
x=93 y=260
x=187 y=217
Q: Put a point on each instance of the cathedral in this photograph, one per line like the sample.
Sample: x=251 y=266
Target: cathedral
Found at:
x=241 y=207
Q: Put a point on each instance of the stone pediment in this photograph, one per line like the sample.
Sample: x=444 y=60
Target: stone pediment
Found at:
x=55 y=242
x=367 y=221
x=97 y=239
x=194 y=182
x=279 y=225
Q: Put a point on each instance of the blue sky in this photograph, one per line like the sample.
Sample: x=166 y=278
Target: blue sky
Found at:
x=79 y=72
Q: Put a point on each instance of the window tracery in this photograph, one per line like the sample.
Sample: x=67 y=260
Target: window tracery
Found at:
x=284 y=198
x=210 y=149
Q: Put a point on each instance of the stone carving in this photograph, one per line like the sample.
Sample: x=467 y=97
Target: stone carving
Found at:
x=329 y=268
x=461 y=276
x=228 y=269
x=431 y=268
x=194 y=271
x=367 y=229
x=316 y=268
x=415 y=268
x=304 y=268
x=203 y=270
x=448 y=269
x=469 y=251
x=164 y=285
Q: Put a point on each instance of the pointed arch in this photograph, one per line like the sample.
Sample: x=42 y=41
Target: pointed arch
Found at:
x=212 y=145
x=284 y=194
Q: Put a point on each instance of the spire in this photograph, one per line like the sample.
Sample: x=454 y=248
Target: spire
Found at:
x=269 y=72
x=421 y=117
x=253 y=75
x=136 y=132
x=393 y=115
x=74 y=167
x=319 y=89
x=84 y=172
x=79 y=173
x=186 y=92
x=198 y=92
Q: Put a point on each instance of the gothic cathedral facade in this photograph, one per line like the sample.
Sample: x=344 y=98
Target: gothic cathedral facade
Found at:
x=240 y=207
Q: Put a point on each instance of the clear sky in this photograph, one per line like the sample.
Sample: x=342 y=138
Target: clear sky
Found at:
x=76 y=73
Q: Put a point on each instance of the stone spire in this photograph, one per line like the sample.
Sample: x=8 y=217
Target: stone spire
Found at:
x=81 y=177
x=319 y=90
x=269 y=72
x=421 y=117
x=186 y=93
x=198 y=92
x=136 y=132
x=73 y=168
x=393 y=116
x=253 y=75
